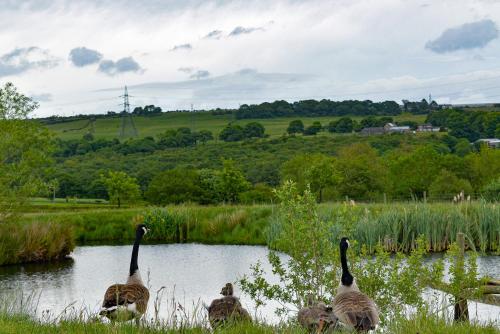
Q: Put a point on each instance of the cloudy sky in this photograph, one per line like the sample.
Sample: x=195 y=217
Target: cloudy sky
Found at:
x=75 y=56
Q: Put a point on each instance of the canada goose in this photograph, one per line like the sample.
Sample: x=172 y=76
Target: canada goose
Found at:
x=227 y=308
x=123 y=302
x=316 y=317
x=352 y=307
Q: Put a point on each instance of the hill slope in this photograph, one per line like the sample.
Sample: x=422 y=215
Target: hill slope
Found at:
x=108 y=127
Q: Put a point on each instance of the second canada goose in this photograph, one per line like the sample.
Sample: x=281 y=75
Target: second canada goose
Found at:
x=227 y=308
x=123 y=302
x=316 y=317
x=352 y=307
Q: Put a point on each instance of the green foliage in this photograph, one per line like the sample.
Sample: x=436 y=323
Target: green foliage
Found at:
x=447 y=185
x=313 y=264
x=468 y=124
x=121 y=188
x=177 y=185
x=165 y=225
x=253 y=130
x=462 y=147
x=232 y=182
x=491 y=191
x=301 y=233
x=295 y=126
x=313 y=129
x=260 y=194
x=313 y=170
x=343 y=125
x=317 y=108
x=25 y=149
x=35 y=242
x=182 y=137
x=232 y=133
x=362 y=173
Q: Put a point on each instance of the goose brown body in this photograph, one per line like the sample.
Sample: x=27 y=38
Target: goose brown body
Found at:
x=227 y=308
x=123 y=302
x=356 y=310
x=133 y=298
x=352 y=307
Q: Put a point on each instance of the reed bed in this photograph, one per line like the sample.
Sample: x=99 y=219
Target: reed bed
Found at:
x=52 y=235
x=35 y=242
x=397 y=227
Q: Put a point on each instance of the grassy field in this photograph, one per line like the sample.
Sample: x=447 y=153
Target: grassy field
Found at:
x=152 y=126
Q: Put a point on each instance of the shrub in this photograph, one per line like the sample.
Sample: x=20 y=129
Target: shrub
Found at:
x=491 y=191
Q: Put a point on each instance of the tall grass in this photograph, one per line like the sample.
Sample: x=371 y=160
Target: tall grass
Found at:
x=45 y=236
x=34 y=242
x=397 y=227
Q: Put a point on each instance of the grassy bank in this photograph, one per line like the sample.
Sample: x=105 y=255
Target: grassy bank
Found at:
x=152 y=126
x=420 y=324
x=395 y=225
x=35 y=242
x=51 y=235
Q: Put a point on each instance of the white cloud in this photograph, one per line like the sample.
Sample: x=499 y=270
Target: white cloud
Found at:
x=348 y=46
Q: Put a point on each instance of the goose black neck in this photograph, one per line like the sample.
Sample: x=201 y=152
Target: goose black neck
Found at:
x=135 y=253
x=347 y=278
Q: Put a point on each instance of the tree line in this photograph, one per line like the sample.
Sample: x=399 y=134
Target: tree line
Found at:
x=330 y=108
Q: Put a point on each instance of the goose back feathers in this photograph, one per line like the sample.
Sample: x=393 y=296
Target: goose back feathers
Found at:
x=227 y=308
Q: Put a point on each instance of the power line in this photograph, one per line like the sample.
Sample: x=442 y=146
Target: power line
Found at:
x=127 y=128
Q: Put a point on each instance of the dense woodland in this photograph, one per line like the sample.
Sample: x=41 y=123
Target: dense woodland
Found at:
x=362 y=168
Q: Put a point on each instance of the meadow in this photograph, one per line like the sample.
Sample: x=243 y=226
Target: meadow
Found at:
x=109 y=127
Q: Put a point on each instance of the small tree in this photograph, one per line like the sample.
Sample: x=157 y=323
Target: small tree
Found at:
x=446 y=185
x=204 y=135
x=491 y=191
x=232 y=133
x=313 y=129
x=254 y=130
x=121 y=187
x=231 y=182
x=311 y=269
x=344 y=125
x=295 y=126
x=25 y=149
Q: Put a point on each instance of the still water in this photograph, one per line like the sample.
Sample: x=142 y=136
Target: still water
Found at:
x=191 y=273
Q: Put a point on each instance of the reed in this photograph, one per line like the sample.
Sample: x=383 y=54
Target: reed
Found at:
x=35 y=242
x=396 y=226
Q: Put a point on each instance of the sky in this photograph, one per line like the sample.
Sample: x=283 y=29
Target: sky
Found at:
x=76 y=56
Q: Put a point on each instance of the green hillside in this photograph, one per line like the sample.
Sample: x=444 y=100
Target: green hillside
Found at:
x=151 y=126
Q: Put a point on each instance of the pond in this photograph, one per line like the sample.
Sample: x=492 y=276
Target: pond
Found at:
x=192 y=273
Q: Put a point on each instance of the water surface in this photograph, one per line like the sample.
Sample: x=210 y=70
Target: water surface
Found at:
x=192 y=273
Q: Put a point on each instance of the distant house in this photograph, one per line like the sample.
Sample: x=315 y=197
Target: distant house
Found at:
x=491 y=142
x=392 y=128
x=373 y=131
x=427 y=128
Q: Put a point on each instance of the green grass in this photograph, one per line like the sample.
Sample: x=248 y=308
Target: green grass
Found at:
x=422 y=324
x=152 y=126
x=38 y=204
x=35 y=242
